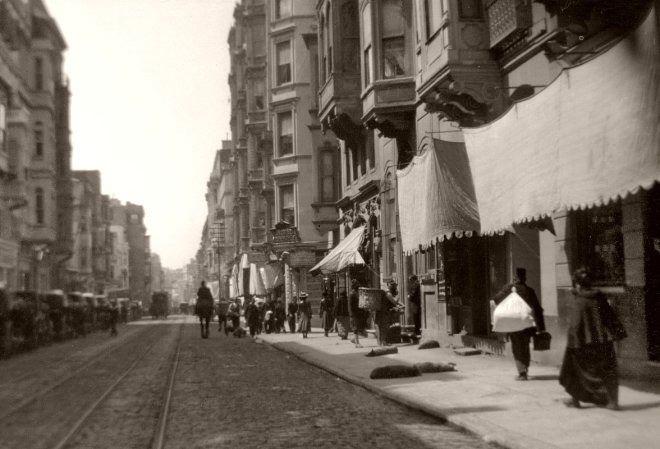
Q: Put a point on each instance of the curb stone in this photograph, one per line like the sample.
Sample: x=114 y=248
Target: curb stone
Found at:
x=490 y=433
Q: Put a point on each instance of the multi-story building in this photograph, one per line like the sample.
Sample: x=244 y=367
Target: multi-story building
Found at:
x=138 y=254
x=34 y=148
x=567 y=94
x=80 y=272
x=157 y=275
x=119 y=269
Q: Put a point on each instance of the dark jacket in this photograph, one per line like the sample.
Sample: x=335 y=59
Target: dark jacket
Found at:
x=292 y=308
x=325 y=306
x=591 y=320
x=204 y=305
x=529 y=295
x=414 y=296
x=341 y=308
x=252 y=315
x=354 y=304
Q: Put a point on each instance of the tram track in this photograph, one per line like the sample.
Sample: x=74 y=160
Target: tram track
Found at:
x=158 y=438
x=43 y=392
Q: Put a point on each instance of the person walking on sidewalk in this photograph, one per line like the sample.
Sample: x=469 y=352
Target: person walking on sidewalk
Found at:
x=415 y=301
x=234 y=315
x=253 y=317
x=204 y=308
x=305 y=313
x=343 y=316
x=292 y=310
x=589 y=371
x=325 y=313
x=355 y=312
x=280 y=316
x=384 y=316
x=520 y=340
x=113 y=317
x=221 y=310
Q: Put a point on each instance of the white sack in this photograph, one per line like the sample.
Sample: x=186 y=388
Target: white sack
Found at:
x=512 y=315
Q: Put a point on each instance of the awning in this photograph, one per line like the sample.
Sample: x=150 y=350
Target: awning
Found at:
x=590 y=137
x=257 y=287
x=436 y=195
x=272 y=275
x=235 y=287
x=343 y=255
x=214 y=286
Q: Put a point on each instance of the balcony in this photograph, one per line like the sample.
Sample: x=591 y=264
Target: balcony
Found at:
x=256 y=118
x=458 y=78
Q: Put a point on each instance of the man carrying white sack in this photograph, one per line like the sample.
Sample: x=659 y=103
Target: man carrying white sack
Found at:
x=520 y=339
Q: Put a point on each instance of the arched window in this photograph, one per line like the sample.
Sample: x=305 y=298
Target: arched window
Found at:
x=39 y=205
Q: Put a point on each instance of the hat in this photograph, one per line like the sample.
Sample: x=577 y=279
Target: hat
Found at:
x=303 y=295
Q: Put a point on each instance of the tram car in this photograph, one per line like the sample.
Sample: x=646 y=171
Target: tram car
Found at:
x=184 y=308
x=160 y=305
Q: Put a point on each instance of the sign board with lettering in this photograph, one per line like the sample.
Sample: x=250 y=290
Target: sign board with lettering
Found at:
x=302 y=258
x=283 y=232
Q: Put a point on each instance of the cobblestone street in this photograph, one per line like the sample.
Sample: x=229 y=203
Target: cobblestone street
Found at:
x=100 y=392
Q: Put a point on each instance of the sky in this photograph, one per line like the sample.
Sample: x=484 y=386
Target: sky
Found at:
x=150 y=105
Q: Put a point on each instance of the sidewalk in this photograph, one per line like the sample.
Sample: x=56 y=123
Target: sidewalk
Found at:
x=483 y=397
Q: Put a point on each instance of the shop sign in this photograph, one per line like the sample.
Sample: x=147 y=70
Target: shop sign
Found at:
x=284 y=233
x=8 y=254
x=302 y=258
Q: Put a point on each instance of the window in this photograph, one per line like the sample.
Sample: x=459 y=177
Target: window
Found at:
x=393 y=43
x=328 y=40
x=285 y=130
x=258 y=99
x=83 y=257
x=434 y=14
x=283 y=51
x=38 y=141
x=258 y=39
x=366 y=44
x=282 y=8
x=327 y=176
x=371 y=150
x=287 y=204
x=600 y=243
x=347 y=163
x=38 y=73
x=322 y=37
x=39 y=205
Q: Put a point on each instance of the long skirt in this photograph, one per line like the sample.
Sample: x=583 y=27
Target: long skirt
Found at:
x=305 y=324
x=343 y=326
x=589 y=373
x=327 y=320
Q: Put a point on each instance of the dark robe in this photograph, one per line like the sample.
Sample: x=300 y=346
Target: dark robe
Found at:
x=305 y=313
x=589 y=371
x=327 y=318
x=204 y=305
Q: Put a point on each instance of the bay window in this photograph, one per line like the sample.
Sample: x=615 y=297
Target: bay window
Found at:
x=393 y=38
x=366 y=44
x=434 y=15
x=283 y=60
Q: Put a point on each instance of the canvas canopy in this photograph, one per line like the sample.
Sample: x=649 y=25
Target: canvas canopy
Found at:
x=257 y=287
x=343 y=255
x=436 y=195
x=590 y=137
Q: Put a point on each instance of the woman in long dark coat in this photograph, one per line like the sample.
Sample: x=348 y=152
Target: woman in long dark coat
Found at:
x=589 y=370
x=325 y=313
x=305 y=314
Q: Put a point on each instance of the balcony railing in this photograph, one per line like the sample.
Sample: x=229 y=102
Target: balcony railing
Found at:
x=506 y=17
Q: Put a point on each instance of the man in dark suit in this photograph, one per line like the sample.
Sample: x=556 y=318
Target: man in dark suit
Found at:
x=204 y=308
x=520 y=340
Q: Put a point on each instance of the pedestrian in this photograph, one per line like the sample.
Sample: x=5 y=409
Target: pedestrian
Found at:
x=325 y=313
x=305 y=313
x=292 y=310
x=221 y=310
x=589 y=370
x=414 y=299
x=343 y=316
x=520 y=340
x=355 y=312
x=252 y=316
x=113 y=317
x=383 y=316
x=280 y=316
x=234 y=315
x=204 y=308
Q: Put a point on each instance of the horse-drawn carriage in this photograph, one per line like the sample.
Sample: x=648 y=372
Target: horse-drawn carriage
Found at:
x=160 y=305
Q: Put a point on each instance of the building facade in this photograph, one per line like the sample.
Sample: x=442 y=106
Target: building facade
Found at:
x=34 y=148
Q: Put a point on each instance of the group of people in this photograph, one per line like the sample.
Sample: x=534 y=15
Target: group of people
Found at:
x=589 y=370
